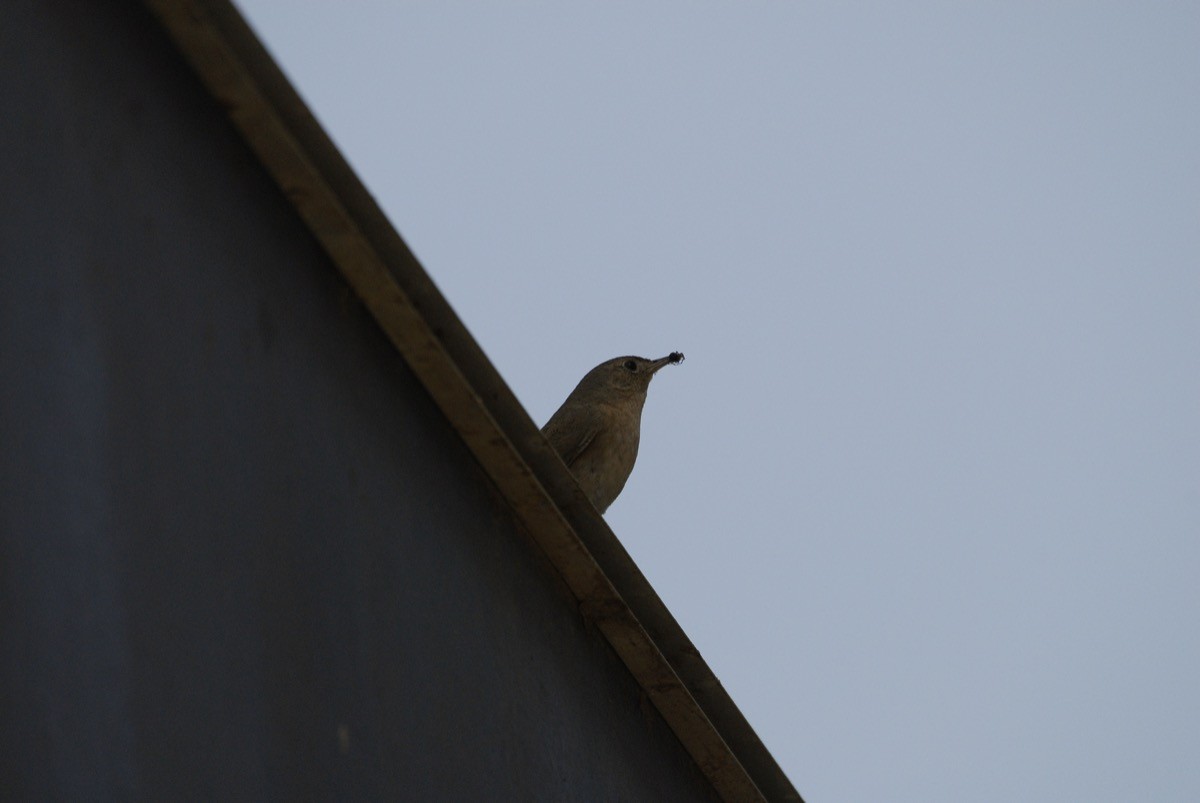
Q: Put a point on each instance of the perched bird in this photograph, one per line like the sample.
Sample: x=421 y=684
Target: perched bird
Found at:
x=596 y=431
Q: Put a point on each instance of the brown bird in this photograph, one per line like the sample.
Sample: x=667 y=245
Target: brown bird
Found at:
x=597 y=429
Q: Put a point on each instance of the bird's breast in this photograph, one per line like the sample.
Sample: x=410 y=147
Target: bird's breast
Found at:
x=606 y=464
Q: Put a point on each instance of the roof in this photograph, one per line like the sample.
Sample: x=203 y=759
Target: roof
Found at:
x=612 y=592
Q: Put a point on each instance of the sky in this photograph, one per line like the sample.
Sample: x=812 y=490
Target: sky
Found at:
x=926 y=492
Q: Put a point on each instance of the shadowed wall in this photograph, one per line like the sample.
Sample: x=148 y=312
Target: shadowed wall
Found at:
x=242 y=554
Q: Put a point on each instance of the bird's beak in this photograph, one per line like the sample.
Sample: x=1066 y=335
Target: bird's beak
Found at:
x=671 y=359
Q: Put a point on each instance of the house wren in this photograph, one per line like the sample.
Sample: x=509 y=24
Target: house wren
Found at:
x=596 y=431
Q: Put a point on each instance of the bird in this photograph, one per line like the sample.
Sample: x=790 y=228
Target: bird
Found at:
x=597 y=429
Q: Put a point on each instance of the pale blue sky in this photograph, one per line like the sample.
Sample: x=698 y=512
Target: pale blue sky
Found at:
x=926 y=493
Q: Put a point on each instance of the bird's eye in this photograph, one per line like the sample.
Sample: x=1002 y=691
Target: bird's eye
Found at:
x=630 y=365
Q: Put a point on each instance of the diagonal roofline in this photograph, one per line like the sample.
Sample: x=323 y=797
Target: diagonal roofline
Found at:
x=612 y=592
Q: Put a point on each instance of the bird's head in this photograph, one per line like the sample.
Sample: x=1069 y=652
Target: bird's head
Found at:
x=626 y=375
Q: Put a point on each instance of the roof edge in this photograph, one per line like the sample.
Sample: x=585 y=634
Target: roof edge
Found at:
x=281 y=131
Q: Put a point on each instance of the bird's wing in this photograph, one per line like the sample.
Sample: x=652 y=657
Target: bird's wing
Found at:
x=571 y=430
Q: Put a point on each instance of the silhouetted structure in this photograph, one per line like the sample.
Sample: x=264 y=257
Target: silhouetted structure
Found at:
x=272 y=526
